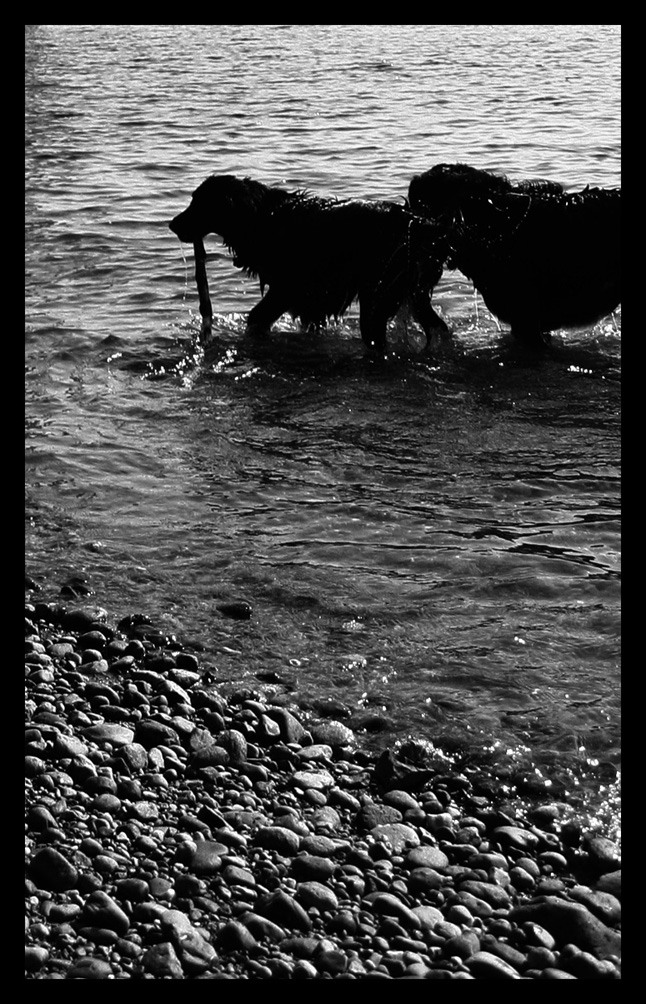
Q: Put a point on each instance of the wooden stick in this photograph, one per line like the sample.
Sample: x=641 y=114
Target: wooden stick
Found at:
x=202 y=286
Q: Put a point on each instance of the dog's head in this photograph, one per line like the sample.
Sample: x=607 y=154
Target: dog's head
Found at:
x=440 y=192
x=220 y=205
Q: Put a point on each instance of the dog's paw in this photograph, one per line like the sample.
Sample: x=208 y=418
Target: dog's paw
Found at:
x=257 y=330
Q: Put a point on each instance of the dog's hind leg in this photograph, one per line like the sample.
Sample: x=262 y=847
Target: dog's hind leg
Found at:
x=373 y=327
x=264 y=314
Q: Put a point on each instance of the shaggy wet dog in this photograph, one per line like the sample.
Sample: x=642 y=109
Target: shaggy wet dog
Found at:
x=542 y=258
x=315 y=256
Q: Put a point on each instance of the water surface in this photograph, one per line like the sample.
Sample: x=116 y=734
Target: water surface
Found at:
x=429 y=545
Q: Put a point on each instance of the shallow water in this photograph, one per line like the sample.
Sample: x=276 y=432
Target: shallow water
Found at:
x=434 y=544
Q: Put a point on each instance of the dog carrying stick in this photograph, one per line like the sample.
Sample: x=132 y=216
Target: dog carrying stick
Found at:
x=206 y=309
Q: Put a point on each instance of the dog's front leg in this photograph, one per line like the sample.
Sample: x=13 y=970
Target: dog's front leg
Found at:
x=264 y=314
x=206 y=309
x=429 y=320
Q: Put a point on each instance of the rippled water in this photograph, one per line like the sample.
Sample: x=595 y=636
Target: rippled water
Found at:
x=434 y=544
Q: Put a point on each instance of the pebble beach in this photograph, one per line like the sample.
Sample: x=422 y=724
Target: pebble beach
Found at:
x=175 y=832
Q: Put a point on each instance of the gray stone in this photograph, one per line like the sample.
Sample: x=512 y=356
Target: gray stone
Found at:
x=570 y=923
x=312 y=867
x=161 y=960
x=234 y=936
x=109 y=732
x=389 y=905
x=398 y=836
x=317 y=895
x=207 y=857
x=427 y=857
x=463 y=945
x=291 y=730
x=603 y=905
x=604 y=853
x=150 y=734
x=332 y=733
x=101 y=911
x=320 y=780
x=486 y=966
x=49 y=869
x=278 y=838
x=611 y=882
x=194 y=951
x=69 y=746
x=495 y=895
x=429 y=917
x=372 y=815
x=517 y=837
x=90 y=969
x=285 y=910
x=262 y=927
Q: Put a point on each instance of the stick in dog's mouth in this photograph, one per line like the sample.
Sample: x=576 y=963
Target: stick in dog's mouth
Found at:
x=206 y=309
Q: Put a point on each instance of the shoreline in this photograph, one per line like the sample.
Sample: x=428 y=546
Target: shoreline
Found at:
x=175 y=833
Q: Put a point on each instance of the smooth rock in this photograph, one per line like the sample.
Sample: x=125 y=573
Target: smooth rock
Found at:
x=603 y=905
x=318 y=895
x=570 y=923
x=386 y=903
x=312 y=867
x=495 y=895
x=320 y=780
x=484 y=965
x=49 y=869
x=262 y=927
x=161 y=960
x=35 y=957
x=611 y=882
x=150 y=734
x=284 y=909
x=517 y=837
x=117 y=735
x=373 y=814
x=234 y=936
x=427 y=856
x=194 y=951
x=290 y=729
x=604 y=854
x=332 y=733
x=89 y=969
x=429 y=917
x=398 y=836
x=100 y=910
x=277 y=838
x=207 y=857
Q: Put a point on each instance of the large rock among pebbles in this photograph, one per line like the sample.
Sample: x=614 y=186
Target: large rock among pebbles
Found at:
x=101 y=911
x=398 y=836
x=332 y=733
x=278 y=838
x=284 y=910
x=194 y=951
x=108 y=732
x=150 y=734
x=570 y=924
x=49 y=869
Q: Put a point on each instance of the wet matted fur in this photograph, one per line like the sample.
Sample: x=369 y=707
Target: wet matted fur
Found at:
x=314 y=256
x=542 y=258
